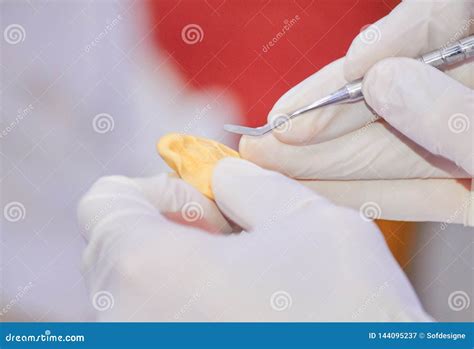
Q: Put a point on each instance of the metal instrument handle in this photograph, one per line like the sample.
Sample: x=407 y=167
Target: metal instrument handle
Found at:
x=445 y=56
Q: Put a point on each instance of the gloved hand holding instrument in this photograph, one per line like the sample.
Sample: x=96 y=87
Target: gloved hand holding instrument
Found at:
x=416 y=163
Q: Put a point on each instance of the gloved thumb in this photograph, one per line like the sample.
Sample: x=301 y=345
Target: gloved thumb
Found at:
x=251 y=196
x=426 y=105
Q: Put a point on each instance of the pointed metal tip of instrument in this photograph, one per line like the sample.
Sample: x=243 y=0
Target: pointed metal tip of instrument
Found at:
x=248 y=131
x=233 y=128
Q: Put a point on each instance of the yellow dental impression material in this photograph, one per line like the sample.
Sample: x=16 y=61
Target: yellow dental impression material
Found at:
x=193 y=158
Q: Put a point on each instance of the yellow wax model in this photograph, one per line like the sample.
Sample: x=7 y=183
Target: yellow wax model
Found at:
x=193 y=158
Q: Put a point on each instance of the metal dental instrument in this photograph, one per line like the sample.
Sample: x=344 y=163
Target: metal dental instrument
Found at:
x=352 y=92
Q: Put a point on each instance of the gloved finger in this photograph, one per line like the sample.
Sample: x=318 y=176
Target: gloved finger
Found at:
x=321 y=124
x=373 y=152
x=183 y=203
x=427 y=106
x=116 y=196
x=252 y=196
x=413 y=200
x=413 y=28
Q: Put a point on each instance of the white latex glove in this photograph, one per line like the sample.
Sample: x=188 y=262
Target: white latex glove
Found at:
x=301 y=258
x=414 y=164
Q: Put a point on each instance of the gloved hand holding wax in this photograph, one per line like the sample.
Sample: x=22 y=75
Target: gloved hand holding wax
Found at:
x=299 y=252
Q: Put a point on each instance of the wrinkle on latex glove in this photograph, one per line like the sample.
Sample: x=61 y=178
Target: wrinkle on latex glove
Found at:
x=429 y=107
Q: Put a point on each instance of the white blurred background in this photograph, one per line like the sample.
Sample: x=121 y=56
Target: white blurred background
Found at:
x=55 y=150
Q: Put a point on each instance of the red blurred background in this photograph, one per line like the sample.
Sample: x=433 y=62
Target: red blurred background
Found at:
x=231 y=53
